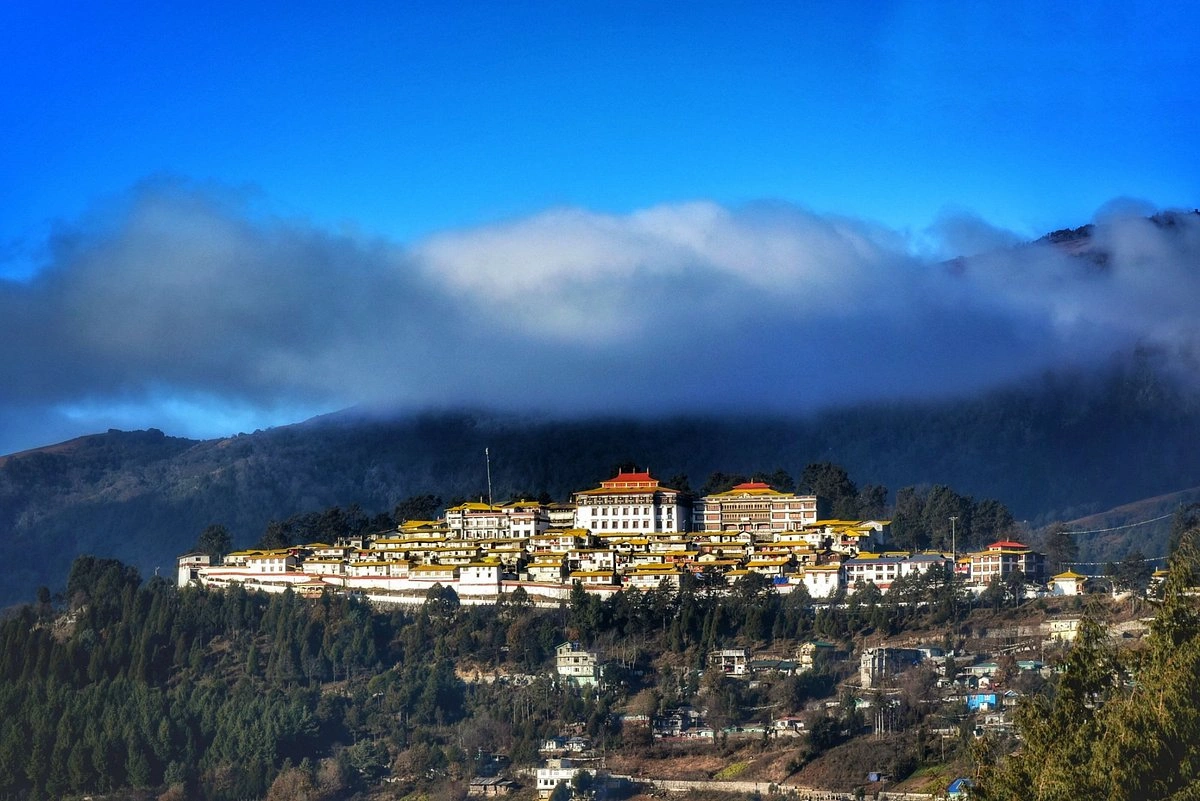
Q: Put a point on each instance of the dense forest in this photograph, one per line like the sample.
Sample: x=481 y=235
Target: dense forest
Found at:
x=116 y=685
x=226 y=695
x=1057 y=449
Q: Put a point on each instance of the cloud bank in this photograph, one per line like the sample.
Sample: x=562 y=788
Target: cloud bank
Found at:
x=184 y=307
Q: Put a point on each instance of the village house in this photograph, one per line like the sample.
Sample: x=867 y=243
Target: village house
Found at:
x=788 y=726
x=547 y=568
x=650 y=577
x=594 y=579
x=325 y=567
x=822 y=581
x=490 y=787
x=1068 y=583
x=431 y=574
x=811 y=653
x=481 y=577
x=681 y=723
x=1062 y=629
x=552 y=773
x=1003 y=559
x=561 y=515
x=879 y=664
x=272 y=562
x=572 y=662
x=730 y=661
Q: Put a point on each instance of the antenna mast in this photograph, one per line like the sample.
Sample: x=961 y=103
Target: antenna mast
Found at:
x=487 y=457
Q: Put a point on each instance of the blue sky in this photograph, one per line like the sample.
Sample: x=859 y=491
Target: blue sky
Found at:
x=401 y=146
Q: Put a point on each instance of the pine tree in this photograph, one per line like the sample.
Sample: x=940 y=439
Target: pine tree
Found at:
x=1121 y=732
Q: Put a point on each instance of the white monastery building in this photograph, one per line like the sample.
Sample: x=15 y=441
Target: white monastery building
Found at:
x=633 y=502
x=754 y=506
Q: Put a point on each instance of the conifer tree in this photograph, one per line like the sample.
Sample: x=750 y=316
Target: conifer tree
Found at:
x=1121 y=732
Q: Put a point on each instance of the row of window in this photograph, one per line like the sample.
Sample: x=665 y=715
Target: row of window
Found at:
x=625 y=525
x=635 y=510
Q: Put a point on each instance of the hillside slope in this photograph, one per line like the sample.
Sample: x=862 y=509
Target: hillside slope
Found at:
x=1066 y=446
x=1144 y=525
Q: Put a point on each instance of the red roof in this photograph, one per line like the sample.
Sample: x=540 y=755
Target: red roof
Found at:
x=634 y=479
x=1006 y=544
x=752 y=485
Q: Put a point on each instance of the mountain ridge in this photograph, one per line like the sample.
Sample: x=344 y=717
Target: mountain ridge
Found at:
x=1064 y=446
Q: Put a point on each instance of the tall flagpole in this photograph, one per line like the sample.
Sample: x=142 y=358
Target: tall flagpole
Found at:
x=488 y=459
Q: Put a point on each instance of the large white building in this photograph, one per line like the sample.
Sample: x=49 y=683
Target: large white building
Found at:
x=754 y=506
x=882 y=569
x=633 y=502
x=1004 y=558
x=519 y=519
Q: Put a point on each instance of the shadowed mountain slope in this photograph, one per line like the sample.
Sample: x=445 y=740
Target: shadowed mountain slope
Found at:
x=1059 y=448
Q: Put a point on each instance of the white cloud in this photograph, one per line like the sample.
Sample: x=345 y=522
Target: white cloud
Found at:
x=178 y=292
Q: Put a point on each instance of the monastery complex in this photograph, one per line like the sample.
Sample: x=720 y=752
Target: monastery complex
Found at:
x=631 y=531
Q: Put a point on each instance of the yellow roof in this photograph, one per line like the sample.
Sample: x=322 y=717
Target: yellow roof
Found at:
x=418 y=523
x=472 y=506
x=751 y=492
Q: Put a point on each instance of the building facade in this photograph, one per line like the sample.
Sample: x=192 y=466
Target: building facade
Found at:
x=634 y=502
x=572 y=662
x=882 y=569
x=485 y=521
x=754 y=506
x=1003 y=559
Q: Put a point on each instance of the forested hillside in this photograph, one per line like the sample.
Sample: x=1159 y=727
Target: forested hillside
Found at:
x=1060 y=448
x=226 y=695
x=1121 y=724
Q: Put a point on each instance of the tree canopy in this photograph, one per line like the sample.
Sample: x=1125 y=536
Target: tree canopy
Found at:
x=1117 y=726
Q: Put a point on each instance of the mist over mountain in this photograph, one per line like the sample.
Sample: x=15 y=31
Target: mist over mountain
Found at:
x=179 y=307
x=1061 y=447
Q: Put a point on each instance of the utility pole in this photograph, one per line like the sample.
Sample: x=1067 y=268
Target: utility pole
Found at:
x=954 y=568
